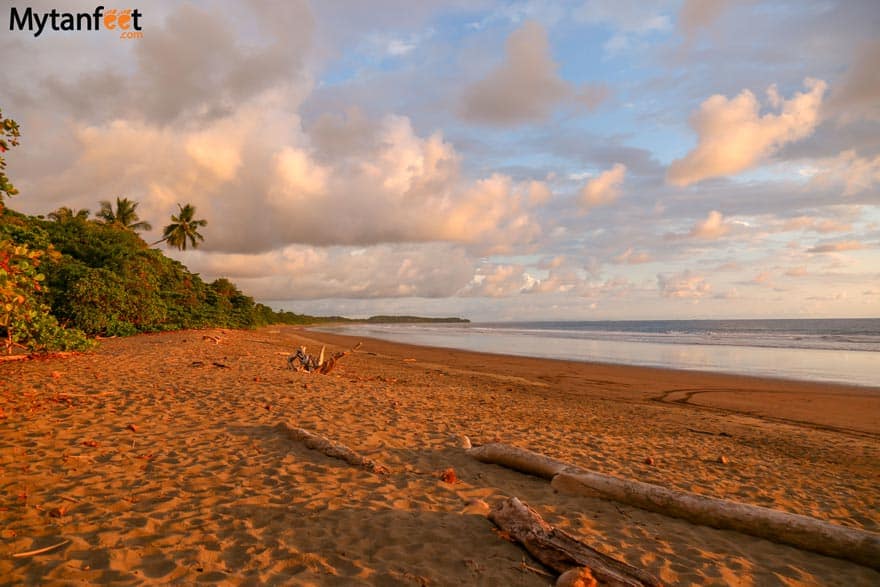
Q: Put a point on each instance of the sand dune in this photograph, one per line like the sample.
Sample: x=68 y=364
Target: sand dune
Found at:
x=159 y=458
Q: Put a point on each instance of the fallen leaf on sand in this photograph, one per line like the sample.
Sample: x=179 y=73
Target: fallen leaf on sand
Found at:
x=448 y=476
x=57 y=512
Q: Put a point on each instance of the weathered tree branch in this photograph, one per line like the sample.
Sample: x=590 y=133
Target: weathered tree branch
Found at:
x=561 y=551
x=331 y=449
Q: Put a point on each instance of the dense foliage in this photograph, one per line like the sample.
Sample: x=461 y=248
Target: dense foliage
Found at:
x=25 y=320
x=107 y=281
x=9 y=135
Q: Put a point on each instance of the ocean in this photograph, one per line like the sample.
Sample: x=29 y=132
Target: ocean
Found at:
x=830 y=350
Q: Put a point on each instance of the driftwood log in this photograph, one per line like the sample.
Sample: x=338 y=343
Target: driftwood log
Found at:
x=331 y=449
x=803 y=532
x=860 y=546
x=561 y=551
x=518 y=459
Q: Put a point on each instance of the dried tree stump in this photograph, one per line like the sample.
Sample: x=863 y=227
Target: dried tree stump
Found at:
x=561 y=551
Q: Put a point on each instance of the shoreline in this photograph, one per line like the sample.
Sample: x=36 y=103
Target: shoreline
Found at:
x=161 y=458
x=656 y=381
x=802 y=364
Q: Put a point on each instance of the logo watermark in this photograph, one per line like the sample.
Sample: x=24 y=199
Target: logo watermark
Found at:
x=126 y=21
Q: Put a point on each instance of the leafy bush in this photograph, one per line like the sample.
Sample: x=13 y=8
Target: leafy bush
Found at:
x=26 y=321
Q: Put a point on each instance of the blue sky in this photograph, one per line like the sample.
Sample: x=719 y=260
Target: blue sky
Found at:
x=498 y=160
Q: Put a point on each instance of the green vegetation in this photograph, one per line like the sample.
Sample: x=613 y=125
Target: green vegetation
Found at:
x=9 y=134
x=414 y=320
x=104 y=280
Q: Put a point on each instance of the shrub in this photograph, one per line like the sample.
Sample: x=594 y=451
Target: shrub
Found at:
x=25 y=320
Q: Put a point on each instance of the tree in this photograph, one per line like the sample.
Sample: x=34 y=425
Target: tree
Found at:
x=9 y=134
x=124 y=215
x=183 y=228
x=65 y=214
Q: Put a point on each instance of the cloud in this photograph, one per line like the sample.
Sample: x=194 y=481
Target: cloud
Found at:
x=837 y=247
x=604 y=189
x=558 y=280
x=627 y=18
x=632 y=257
x=815 y=224
x=713 y=227
x=733 y=136
x=857 y=96
x=697 y=14
x=407 y=188
x=301 y=272
x=683 y=285
x=525 y=87
x=763 y=278
x=197 y=66
x=499 y=280
x=852 y=173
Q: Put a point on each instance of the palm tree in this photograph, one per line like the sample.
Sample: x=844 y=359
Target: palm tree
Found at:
x=183 y=229
x=125 y=214
x=65 y=214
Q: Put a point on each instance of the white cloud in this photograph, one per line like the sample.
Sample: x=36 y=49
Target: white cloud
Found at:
x=683 y=285
x=733 y=136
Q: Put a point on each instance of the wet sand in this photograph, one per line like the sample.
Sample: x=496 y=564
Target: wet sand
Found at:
x=161 y=460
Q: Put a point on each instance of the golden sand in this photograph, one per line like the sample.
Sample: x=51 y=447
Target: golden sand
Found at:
x=158 y=459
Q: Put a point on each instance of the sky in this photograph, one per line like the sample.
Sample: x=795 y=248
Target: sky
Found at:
x=606 y=159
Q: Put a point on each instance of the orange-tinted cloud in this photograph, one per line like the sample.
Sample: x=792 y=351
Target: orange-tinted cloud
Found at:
x=604 y=189
x=734 y=136
x=711 y=228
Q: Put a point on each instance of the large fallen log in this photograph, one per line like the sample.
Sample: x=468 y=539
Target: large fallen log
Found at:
x=804 y=532
x=561 y=551
x=853 y=544
x=331 y=449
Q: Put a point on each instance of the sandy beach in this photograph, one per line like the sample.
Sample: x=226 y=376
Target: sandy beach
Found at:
x=163 y=459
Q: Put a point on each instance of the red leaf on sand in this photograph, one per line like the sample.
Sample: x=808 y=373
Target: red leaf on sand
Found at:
x=448 y=476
